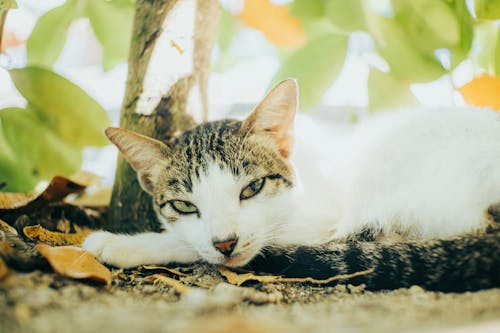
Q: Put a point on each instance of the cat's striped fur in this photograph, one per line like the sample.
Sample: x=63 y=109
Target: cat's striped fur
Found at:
x=464 y=263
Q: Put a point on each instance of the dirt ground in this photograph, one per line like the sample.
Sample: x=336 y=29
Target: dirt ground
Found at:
x=139 y=301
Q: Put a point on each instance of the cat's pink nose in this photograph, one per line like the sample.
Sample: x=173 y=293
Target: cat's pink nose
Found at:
x=226 y=246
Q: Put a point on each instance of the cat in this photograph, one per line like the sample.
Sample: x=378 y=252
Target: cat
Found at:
x=239 y=193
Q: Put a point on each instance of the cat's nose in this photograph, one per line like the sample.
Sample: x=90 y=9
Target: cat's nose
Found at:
x=226 y=246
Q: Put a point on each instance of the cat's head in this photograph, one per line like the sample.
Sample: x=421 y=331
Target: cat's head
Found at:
x=224 y=187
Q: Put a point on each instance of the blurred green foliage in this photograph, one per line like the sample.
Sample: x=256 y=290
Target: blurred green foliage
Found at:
x=328 y=52
x=47 y=137
x=407 y=35
x=110 y=20
x=7 y=4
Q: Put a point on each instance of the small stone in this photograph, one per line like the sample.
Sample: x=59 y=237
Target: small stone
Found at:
x=416 y=290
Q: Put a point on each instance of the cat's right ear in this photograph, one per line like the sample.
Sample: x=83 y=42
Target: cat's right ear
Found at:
x=275 y=114
x=145 y=155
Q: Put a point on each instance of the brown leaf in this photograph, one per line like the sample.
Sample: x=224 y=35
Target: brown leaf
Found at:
x=85 y=178
x=238 y=279
x=18 y=254
x=178 y=286
x=75 y=263
x=15 y=200
x=99 y=198
x=37 y=232
x=57 y=190
x=4 y=271
x=7 y=227
x=171 y=271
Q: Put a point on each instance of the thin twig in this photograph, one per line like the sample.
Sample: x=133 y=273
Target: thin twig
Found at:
x=3 y=18
x=329 y=280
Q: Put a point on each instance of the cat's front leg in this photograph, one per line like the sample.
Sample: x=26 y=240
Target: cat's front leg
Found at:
x=133 y=250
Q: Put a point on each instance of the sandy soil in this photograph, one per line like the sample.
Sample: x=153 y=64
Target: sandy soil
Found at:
x=136 y=302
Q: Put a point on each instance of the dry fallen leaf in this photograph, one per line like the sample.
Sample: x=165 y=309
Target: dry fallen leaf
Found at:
x=483 y=90
x=15 y=200
x=240 y=278
x=278 y=24
x=85 y=178
x=75 y=263
x=4 y=271
x=99 y=198
x=172 y=271
x=57 y=190
x=7 y=227
x=37 y=232
x=178 y=286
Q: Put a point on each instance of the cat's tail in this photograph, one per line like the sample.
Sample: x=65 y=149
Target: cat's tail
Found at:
x=451 y=265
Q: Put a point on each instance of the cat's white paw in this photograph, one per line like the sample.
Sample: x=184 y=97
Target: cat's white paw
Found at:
x=115 y=249
x=96 y=242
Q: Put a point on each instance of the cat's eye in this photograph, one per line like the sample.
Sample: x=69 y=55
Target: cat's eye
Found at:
x=252 y=189
x=183 y=207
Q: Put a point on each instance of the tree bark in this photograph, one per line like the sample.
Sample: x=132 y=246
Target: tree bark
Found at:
x=158 y=94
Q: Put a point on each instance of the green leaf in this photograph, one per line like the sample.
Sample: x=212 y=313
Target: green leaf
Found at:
x=315 y=66
x=39 y=153
x=486 y=40
x=313 y=17
x=404 y=59
x=7 y=4
x=466 y=23
x=226 y=30
x=17 y=176
x=307 y=9
x=68 y=110
x=49 y=34
x=487 y=9
x=429 y=24
x=385 y=91
x=112 y=24
x=346 y=15
x=35 y=144
x=497 y=56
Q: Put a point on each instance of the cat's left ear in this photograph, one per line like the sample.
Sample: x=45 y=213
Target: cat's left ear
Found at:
x=275 y=114
x=145 y=155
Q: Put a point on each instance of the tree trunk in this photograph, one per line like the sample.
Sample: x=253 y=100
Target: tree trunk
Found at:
x=168 y=70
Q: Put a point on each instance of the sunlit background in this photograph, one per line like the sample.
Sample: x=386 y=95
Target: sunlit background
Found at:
x=350 y=57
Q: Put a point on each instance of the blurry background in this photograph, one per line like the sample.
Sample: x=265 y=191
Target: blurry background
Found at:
x=350 y=58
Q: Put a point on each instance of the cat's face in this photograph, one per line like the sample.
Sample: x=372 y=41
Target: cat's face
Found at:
x=223 y=187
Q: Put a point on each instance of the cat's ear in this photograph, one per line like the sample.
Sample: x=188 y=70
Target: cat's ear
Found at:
x=275 y=114
x=145 y=155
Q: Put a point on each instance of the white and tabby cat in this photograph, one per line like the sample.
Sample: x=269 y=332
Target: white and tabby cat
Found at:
x=226 y=191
